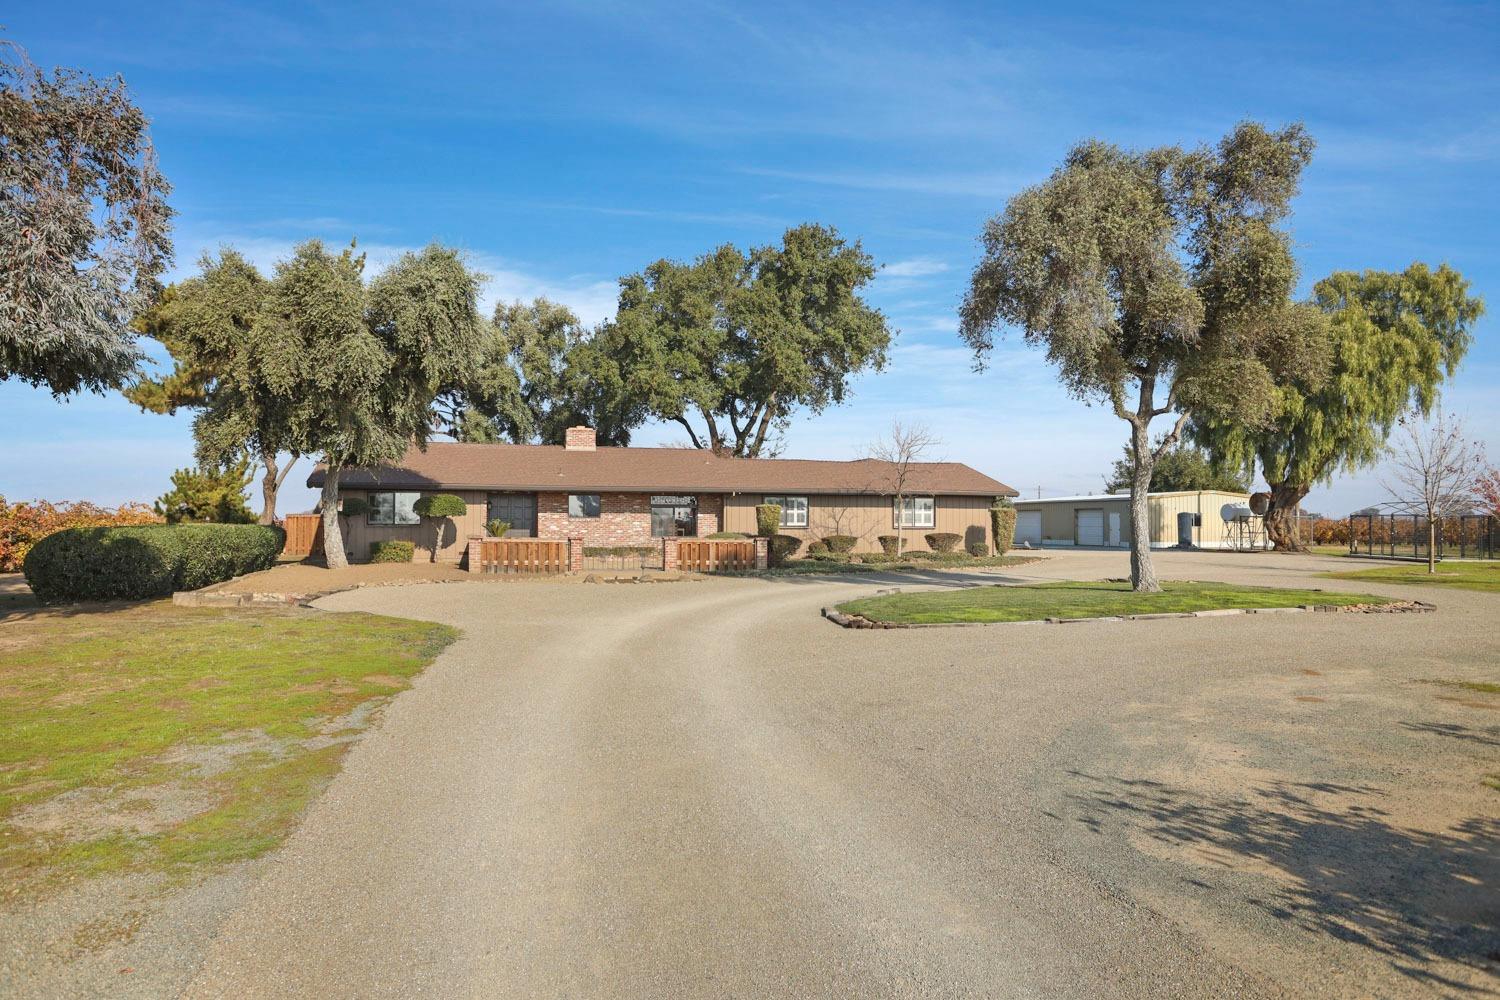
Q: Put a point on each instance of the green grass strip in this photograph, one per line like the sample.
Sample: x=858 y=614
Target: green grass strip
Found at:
x=1483 y=576
x=1070 y=599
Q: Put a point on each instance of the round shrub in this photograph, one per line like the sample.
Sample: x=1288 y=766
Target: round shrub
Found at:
x=104 y=564
x=943 y=541
x=1003 y=524
x=817 y=548
x=441 y=505
x=496 y=527
x=978 y=550
x=354 y=506
x=890 y=544
x=840 y=543
x=783 y=547
x=392 y=550
x=726 y=535
x=767 y=519
x=128 y=564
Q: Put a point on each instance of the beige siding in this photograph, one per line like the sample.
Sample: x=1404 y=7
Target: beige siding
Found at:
x=867 y=517
x=359 y=533
x=1059 y=520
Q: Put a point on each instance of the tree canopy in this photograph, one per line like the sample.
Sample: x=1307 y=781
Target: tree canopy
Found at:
x=84 y=226
x=1180 y=467
x=1158 y=283
x=360 y=366
x=538 y=375
x=1390 y=339
x=730 y=344
x=226 y=365
x=208 y=493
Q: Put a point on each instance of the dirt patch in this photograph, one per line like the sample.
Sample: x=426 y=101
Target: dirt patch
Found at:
x=384 y=680
x=91 y=813
x=1309 y=697
x=109 y=931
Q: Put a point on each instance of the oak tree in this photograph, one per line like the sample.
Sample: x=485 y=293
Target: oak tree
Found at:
x=729 y=345
x=1158 y=283
x=84 y=226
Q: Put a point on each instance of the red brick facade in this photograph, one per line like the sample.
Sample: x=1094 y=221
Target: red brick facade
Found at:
x=624 y=518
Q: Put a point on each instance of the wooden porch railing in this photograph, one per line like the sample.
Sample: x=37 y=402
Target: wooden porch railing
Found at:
x=704 y=556
x=523 y=555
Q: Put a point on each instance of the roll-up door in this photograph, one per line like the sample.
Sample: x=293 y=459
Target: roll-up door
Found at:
x=1029 y=527
x=1091 y=527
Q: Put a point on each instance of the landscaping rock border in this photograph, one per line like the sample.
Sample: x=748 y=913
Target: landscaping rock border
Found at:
x=1394 y=607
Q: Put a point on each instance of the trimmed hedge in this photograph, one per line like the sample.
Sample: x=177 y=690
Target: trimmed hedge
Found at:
x=441 y=505
x=889 y=544
x=392 y=550
x=620 y=550
x=817 y=549
x=783 y=547
x=130 y=564
x=840 y=543
x=767 y=519
x=726 y=535
x=943 y=541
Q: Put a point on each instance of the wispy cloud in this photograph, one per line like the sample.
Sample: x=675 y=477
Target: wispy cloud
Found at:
x=915 y=267
x=964 y=185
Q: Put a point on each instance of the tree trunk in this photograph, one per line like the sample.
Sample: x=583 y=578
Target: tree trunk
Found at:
x=1431 y=545
x=268 y=488
x=333 y=535
x=1281 y=526
x=1142 y=573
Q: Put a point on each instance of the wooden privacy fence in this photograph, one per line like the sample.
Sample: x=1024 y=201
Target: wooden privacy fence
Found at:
x=522 y=555
x=304 y=534
x=710 y=556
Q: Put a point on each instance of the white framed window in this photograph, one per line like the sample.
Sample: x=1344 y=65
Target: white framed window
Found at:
x=793 y=511
x=915 y=512
x=583 y=505
x=393 y=508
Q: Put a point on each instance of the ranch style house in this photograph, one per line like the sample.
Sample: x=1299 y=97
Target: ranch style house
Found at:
x=611 y=496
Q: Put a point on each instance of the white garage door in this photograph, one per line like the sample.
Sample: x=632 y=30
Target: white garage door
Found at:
x=1029 y=527
x=1091 y=527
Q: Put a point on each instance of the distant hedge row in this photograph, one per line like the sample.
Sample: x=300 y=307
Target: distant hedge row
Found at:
x=126 y=564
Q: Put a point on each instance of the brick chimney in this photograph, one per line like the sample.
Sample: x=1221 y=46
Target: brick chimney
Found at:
x=579 y=439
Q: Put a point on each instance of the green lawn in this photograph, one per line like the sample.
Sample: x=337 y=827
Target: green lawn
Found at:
x=1467 y=575
x=1082 y=600
x=914 y=561
x=153 y=737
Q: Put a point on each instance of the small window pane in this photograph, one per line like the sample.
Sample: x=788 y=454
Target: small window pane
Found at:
x=382 y=506
x=793 y=511
x=583 y=505
x=404 y=508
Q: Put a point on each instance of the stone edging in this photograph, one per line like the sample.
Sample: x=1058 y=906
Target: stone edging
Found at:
x=1394 y=607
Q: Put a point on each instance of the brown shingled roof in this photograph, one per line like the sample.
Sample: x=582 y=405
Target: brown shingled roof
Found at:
x=445 y=465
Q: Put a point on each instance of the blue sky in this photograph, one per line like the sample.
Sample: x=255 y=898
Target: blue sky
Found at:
x=562 y=145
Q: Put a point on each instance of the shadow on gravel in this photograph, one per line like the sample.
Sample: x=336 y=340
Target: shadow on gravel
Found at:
x=1339 y=867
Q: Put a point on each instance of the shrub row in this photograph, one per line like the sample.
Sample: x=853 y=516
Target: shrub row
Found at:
x=134 y=563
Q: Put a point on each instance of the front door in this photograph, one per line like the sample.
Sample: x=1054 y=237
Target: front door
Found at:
x=1114 y=528
x=517 y=508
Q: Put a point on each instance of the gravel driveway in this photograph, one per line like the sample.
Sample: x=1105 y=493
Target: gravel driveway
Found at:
x=703 y=789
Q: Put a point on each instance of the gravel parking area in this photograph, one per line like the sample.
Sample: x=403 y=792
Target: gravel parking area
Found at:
x=708 y=791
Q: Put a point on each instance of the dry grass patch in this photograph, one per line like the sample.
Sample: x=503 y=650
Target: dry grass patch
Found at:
x=152 y=737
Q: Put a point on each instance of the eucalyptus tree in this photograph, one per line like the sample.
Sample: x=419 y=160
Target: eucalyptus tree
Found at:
x=360 y=366
x=224 y=367
x=1158 y=283
x=1392 y=339
x=730 y=344
x=84 y=226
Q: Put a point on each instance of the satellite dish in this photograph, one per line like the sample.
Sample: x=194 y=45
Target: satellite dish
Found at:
x=1260 y=503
